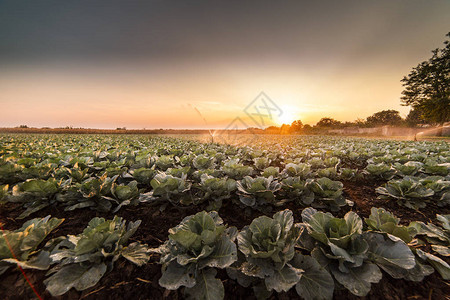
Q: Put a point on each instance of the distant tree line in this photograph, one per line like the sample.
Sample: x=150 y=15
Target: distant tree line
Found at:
x=388 y=117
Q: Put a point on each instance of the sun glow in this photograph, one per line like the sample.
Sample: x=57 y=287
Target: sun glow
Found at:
x=288 y=116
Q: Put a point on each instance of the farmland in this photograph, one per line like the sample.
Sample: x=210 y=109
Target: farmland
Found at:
x=151 y=217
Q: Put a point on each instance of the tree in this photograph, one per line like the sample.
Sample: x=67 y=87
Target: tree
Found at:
x=307 y=128
x=285 y=129
x=296 y=126
x=328 y=123
x=427 y=86
x=415 y=117
x=360 y=122
x=385 y=117
x=272 y=130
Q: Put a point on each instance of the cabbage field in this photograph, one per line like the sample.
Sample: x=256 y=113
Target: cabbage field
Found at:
x=279 y=217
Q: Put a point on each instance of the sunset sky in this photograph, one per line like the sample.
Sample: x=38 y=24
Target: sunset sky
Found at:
x=155 y=64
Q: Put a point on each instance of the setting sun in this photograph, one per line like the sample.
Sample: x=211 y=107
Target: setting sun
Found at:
x=288 y=115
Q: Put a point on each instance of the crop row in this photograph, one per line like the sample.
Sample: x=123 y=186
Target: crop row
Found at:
x=105 y=173
x=269 y=255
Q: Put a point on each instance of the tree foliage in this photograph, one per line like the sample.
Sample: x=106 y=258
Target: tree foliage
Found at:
x=427 y=86
x=328 y=123
x=385 y=117
x=415 y=117
x=296 y=126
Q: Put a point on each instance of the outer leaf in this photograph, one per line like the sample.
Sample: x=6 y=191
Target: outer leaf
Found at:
x=282 y=280
x=32 y=209
x=83 y=204
x=39 y=230
x=261 y=292
x=419 y=271
x=40 y=262
x=208 y=287
x=74 y=275
x=358 y=280
x=241 y=278
x=389 y=255
x=136 y=253
x=442 y=250
x=315 y=282
x=175 y=276
x=445 y=221
x=307 y=214
x=441 y=266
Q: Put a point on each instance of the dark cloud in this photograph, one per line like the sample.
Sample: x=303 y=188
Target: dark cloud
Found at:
x=40 y=31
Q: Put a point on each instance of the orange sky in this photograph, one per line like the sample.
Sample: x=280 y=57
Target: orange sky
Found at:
x=344 y=62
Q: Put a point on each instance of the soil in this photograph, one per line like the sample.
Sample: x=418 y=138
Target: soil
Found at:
x=127 y=281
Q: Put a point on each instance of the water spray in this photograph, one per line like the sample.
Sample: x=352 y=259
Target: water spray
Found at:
x=437 y=129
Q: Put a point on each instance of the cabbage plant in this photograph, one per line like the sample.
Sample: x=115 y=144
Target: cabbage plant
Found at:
x=124 y=194
x=294 y=188
x=433 y=168
x=257 y=192
x=410 y=168
x=348 y=174
x=440 y=187
x=20 y=247
x=330 y=173
x=95 y=194
x=439 y=238
x=35 y=194
x=197 y=175
x=271 y=171
x=143 y=175
x=261 y=163
x=301 y=170
x=327 y=192
x=269 y=261
x=202 y=162
x=186 y=160
x=407 y=191
x=381 y=171
x=332 y=162
x=164 y=162
x=75 y=173
x=236 y=170
x=179 y=171
x=316 y=163
x=351 y=256
x=82 y=260
x=10 y=172
x=215 y=190
x=78 y=174
x=385 y=222
x=195 y=248
x=268 y=244
x=173 y=189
